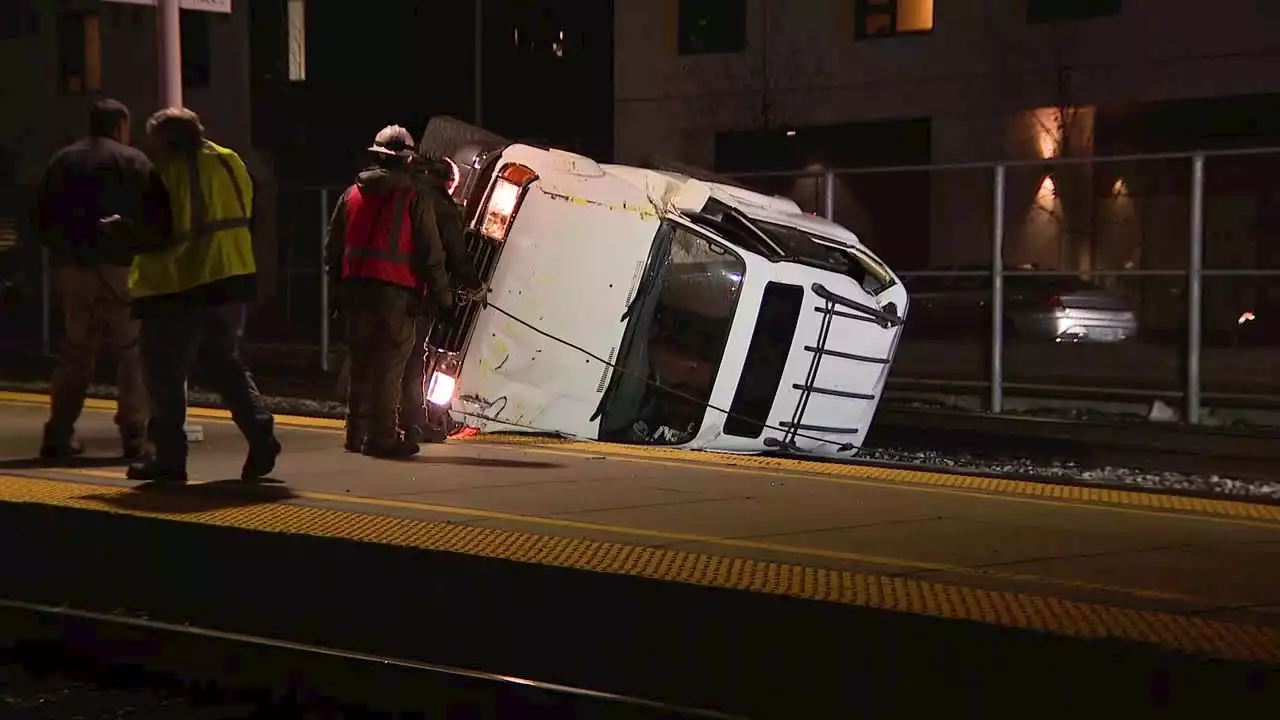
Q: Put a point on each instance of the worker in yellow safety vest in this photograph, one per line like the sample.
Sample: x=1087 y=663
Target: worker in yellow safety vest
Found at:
x=193 y=294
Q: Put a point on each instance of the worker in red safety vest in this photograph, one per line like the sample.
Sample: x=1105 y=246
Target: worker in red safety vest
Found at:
x=386 y=259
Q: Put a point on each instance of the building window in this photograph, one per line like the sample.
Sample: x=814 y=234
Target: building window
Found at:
x=712 y=26
x=1042 y=11
x=197 y=49
x=886 y=18
x=79 y=52
x=297 y=40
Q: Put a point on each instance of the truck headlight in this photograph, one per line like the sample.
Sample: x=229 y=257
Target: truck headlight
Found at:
x=444 y=379
x=504 y=198
x=440 y=389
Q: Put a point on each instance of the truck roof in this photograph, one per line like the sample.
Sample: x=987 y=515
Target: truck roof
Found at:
x=663 y=186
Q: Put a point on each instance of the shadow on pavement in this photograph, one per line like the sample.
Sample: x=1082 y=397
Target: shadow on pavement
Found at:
x=493 y=462
x=192 y=499
x=36 y=463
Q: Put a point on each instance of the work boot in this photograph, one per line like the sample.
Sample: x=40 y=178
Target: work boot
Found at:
x=424 y=435
x=151 y=471
x=261 y=460
x=59 y=446
x=393 y=448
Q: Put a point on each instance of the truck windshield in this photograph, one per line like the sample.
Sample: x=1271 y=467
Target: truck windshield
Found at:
x=678 y=325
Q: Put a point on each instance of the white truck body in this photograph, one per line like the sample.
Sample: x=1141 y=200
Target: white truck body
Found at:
x=664 y=276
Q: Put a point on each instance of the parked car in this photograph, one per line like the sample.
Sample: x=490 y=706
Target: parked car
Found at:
x=1058 y=309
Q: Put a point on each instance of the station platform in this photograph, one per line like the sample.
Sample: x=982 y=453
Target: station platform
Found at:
x=1172 y=573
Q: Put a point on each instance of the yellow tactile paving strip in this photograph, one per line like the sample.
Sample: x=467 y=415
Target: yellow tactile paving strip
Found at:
x=834 y=471
x=1007 y=609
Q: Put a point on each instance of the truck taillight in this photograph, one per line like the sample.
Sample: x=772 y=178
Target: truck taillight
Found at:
x=504 y=198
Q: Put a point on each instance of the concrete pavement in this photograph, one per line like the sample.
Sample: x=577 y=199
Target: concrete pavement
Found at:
x=1210 y=560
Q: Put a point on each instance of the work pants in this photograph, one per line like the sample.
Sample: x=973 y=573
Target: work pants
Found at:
x=173 y=338
x=413 y=411
x=95 y=307
x=380 y=335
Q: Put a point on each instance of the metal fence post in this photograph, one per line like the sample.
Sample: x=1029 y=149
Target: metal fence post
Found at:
x=829 y=195
x=997 y=293
x=324 y=281
x=46 y=297
x=1195 y=289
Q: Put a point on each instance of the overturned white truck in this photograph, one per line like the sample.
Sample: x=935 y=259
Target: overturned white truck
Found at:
x=643 y=305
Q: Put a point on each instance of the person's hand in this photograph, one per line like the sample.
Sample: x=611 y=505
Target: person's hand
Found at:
x=478 y=294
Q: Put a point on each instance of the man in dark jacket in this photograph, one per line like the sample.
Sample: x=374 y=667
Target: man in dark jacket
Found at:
x=386 y=255
x=434 y=184
x=100 y=202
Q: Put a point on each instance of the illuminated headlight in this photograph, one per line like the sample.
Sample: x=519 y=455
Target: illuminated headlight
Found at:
x=504 y=198
x=440 y=389
x=444 y=379
x=502 y=205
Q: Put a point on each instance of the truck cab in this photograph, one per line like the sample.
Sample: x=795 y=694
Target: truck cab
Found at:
x=646 y=305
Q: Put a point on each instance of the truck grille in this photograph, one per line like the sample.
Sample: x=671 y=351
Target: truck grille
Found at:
x=453 y=328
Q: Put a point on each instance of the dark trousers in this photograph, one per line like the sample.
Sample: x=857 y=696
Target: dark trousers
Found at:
x=173 y=337
x=380 y=334
x=413 y=411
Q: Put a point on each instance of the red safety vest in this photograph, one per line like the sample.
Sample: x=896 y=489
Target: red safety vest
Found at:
x=379 y=238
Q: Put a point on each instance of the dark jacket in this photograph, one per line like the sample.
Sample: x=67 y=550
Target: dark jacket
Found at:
x=439 y=250
x=93 y=178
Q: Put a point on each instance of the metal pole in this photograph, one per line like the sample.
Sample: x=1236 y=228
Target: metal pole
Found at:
x=1195 y=289
x=478 y=60
x=324 y=281
x=169 y=56
x=829 y=195
x=997 y=293
x=169 y=69
x=46 y=299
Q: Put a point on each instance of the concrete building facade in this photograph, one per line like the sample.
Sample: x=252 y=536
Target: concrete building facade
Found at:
x=991 y=80
x=61 y=55
x=74 y=51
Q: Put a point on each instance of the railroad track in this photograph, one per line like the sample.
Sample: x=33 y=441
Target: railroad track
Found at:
x=281 y=677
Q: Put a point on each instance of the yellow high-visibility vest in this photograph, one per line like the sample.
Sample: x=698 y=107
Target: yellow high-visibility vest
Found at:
x=211 y=196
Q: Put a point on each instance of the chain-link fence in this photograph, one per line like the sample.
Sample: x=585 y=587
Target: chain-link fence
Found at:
x=1153 y=276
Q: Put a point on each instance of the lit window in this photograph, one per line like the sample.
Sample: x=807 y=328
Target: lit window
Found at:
x=886 y=18
x=79 y=52
x=297 y=40
x=712 y=26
